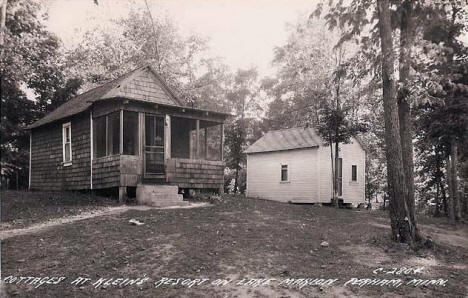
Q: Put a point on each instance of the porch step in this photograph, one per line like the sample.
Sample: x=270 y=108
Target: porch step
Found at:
x=159 y=195
x=153 y=181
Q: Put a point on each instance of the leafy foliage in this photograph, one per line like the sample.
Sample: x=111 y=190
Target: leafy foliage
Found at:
x=31 y=62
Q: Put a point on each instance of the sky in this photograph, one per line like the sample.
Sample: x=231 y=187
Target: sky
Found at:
x=243 y=32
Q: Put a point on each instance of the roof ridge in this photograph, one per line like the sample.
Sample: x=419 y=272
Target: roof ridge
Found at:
x=291 y=128
x=81 y=102
x=285 y=139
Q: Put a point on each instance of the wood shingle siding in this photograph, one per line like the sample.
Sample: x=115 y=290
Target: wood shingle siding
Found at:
x=106 y=171
x=194 y=173
x=142 y=91
x=47 y=169
x=145 y=87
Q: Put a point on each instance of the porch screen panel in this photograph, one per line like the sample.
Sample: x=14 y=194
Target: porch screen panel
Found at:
x=99 y=135
x=130 y=133
x=113 y=133
x=181 y=134
x=193 y=144
x=202 y=144
x=213 y=142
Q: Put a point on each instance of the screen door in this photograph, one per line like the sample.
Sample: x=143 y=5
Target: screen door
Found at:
x=154 y=145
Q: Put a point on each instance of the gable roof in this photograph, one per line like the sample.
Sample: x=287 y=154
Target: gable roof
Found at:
x=286 y=139
x=119 y=87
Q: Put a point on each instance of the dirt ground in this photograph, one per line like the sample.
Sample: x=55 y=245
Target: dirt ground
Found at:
x=259 y=248
x=24 y=208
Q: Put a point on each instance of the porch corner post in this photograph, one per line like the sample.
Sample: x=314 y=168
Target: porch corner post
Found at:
x=222 y=142
x=167 y=136
x=141 y=140
x=221 y=189
x=122 y=194
x=121 y=132
x=91 y=137
x=197 y=149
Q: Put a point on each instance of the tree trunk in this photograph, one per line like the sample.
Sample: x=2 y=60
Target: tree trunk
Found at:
x=333 y=165
x=404 y=108
x=3 y=7
x=337 y=168
x=444 y=198
x=236 y=179
x=402 y=225
x=454 y=178
x=450 y=210
x=465 y=198
x=437 y=201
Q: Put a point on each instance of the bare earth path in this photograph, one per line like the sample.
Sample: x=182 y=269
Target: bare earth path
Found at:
x=237 y=240
x=7 y=233
x=457 y=238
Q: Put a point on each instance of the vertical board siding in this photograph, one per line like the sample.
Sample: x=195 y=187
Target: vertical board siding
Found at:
x=310 y=174
x=264 y=175
x=47 y=170
x=353 y=191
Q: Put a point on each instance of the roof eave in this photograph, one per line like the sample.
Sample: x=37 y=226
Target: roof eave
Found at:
x=164 y=105
x=34 y=125
x=278 y=150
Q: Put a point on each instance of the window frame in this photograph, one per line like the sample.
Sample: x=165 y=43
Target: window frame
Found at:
x=64 y=142
x=354 y=175
x=137 y=135
x=287 y=173
x=102 y=121
x=108 y=142
x=110 y=137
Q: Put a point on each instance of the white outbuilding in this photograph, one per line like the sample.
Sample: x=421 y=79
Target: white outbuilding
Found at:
x=294 y=165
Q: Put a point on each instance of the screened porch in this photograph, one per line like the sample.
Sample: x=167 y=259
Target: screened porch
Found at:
x=179 y=150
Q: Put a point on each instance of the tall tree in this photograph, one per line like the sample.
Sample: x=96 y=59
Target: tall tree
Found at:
x=443 y=124
x=401 y=223
x=141 y=38
x=241 y=95
x=407 y=31
x=31 y=63
x=304 y=78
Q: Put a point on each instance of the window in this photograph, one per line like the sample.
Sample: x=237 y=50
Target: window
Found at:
x=99 y=133
x=113 y=133
x=130 y=133
x=354 y=173
x=284 y=173
x=183 y=137
x=186 y=143
x=106 y=135
x=66 y=140
x=214 y=139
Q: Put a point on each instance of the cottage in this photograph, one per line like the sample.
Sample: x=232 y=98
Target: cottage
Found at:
x=294 y=165
x=132 y=132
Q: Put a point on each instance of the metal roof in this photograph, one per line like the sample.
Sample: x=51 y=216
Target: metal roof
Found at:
x=286 y=139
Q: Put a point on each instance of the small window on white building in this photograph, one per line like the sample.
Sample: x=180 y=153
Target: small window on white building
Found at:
x=67 y=145
x=354 y=173
x=284 y=173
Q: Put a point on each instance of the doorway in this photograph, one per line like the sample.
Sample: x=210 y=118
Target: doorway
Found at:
x=154 y=145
